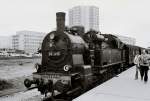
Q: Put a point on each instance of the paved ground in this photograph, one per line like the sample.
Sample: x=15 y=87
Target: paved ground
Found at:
x=121 y=88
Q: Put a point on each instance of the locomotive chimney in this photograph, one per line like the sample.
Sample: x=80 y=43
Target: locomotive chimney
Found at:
x=60 y=20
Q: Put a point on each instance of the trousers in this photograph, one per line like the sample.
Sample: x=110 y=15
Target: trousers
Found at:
x=144 y=72
x=136 y=73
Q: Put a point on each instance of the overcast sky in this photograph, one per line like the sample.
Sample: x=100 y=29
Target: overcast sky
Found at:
x=125 y=17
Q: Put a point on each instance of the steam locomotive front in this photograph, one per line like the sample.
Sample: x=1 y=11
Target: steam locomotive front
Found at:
x=56 y=52
x=61 y=53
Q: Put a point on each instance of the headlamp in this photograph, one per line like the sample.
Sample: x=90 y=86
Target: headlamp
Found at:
x=51 y=36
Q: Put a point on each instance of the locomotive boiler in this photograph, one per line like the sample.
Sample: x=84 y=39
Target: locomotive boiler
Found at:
x=73 y=61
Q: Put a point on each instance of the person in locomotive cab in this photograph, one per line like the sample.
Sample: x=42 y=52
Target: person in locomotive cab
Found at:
x=144 y=65
x=136 y=62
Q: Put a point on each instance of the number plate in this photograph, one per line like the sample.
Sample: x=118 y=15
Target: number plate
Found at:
x=54 y=53
x=50 y=76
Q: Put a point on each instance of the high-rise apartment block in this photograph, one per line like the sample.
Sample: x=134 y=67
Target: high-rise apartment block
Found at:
x=87 y=16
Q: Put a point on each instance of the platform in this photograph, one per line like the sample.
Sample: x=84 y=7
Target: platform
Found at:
x=121 y=88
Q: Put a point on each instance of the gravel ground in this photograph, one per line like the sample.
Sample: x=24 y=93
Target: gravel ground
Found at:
x=32 y=95
x=13 y=72
x=11 y=69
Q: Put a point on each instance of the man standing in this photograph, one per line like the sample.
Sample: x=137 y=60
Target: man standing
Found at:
x=144 y=65
x=136 y=62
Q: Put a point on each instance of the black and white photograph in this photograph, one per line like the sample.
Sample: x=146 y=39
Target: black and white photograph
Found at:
x=74 y=50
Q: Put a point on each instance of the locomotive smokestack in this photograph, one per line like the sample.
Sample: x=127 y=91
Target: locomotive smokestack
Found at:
x=60 y=20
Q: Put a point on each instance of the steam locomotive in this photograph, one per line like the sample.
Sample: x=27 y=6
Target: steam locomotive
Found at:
x=73 y=61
